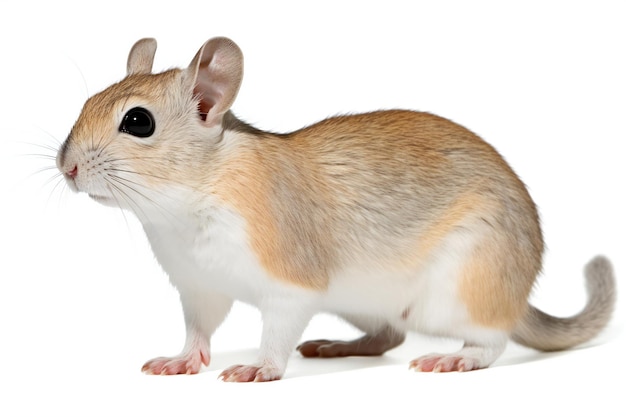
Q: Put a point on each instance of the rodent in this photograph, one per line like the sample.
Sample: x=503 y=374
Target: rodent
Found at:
x=394 y=220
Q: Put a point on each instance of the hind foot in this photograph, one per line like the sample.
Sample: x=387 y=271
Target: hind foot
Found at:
x=443 y=363
x=467 y=359
x=368 y=345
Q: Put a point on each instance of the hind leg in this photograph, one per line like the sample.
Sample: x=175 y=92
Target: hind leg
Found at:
x=478 y=299
x=377 y=340
x=479 y=323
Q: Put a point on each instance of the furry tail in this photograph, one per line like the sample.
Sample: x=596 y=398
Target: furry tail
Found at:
x=541 y=331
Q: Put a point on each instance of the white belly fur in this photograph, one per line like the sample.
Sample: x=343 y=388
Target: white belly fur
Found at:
x=210 y=252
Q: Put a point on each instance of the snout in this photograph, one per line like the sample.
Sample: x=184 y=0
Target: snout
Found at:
x=69 y=169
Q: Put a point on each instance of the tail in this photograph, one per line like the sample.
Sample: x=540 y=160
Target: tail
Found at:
x=541 y=331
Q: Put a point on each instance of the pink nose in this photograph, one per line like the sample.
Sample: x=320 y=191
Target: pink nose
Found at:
x=73 y=172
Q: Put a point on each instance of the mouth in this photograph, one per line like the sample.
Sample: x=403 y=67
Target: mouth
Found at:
x=71 y=183
x=107 y=201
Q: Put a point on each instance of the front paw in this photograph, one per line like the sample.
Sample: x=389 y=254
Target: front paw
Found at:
x=249 y=373
x=185 y=363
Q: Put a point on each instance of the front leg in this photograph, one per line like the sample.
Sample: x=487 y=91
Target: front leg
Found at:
x=204 y=312
x=284 y=320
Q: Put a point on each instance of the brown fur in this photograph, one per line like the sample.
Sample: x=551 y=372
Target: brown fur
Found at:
x=390 y=188
x=367 y=188
x=291 y=247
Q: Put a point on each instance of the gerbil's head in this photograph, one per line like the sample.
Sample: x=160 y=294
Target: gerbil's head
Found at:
x=147 y=131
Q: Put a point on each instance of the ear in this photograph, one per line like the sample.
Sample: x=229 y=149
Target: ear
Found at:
x=216 y=73
x=141 y=57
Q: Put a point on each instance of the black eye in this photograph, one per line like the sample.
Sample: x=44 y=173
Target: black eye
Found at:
x=138 y=122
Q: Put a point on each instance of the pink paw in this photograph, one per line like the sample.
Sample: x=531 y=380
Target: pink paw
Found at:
x=186 y=363
x=444 y=363
x=249 y=373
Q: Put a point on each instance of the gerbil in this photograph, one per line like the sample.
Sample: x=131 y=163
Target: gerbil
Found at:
x=393 y=220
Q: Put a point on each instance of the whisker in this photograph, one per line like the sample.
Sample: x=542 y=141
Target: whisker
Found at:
x=55 y=177
x=49 y=168
x=160 y=193
x=117 y=183
x=125 y=182
x=42 y=145
x=118 y=188
x=102 y=145
x=135 y=187
x=59 y=182
x=126 y=197
x=137 y=158
x=123 y=215
x=41 y=171
x=40 y=155
x=49 y=154
x=82 y=76
x=48 y=134
x=143 y=174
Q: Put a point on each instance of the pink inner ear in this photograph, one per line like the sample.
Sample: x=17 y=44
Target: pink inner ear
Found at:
x=217 y=75
x=206 y=103
x=208 y=97
x=203 y=109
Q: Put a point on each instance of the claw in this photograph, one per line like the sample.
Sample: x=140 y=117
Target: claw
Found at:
x=185 y=363
x=249 y=373
x=443 y=363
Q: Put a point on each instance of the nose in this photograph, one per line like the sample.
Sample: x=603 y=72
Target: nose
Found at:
x=72 y=172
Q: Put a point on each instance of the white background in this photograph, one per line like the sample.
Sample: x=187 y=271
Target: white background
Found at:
x=83 y=304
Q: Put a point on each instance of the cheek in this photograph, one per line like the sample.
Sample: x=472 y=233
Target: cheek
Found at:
x=89 y=172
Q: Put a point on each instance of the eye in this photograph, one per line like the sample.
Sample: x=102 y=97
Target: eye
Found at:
x=138 y=122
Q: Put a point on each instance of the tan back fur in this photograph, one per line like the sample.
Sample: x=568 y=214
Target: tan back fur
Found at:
x=381 y=189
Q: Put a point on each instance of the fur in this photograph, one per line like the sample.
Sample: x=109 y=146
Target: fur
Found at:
x=395 y=220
